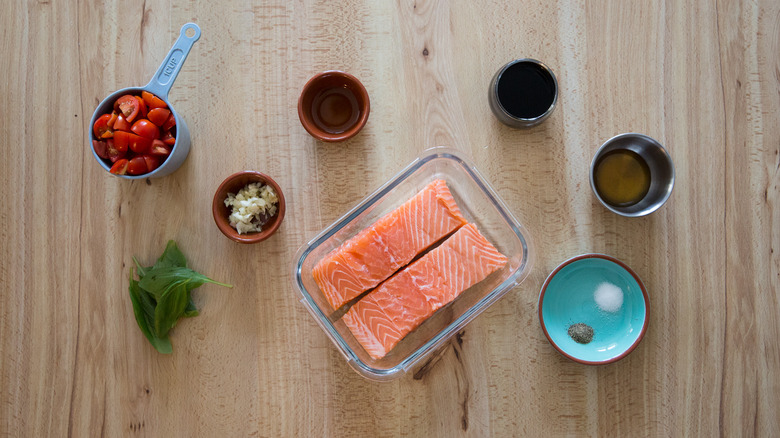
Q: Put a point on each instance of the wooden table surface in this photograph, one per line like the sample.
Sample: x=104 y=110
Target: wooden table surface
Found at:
x=701 y=77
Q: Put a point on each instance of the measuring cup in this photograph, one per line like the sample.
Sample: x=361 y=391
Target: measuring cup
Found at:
x=160 y=85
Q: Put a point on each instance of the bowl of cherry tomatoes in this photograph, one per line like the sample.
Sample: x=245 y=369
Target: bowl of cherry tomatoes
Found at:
x=135 y=132
x=138 y=136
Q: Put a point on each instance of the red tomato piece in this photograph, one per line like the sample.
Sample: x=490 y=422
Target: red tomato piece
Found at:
x=160 y=148
x=113 y=151
x=101 y=128
x=146 y=129
x=135 y=143
x=122 y=140
x=121 y=123
x=120 y=167
x=168 y=138
x=128 y=105
x=139 y=145
x=100 y=149
x=158 y=116
x=112 y=120
x=152 y=162
x=136 y=166
x=142 y=109
x=170 y=123
x=153 y=101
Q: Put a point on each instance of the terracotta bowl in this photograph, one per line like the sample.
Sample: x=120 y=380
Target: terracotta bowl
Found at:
x=326 y=83
x=233 y=184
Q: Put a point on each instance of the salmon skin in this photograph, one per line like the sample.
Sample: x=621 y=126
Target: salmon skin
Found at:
x=390 y=243
x=388 y=313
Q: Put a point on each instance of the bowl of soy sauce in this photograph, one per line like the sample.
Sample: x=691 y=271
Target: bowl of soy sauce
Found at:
x=523 y=93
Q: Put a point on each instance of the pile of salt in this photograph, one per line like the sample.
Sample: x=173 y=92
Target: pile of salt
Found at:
x=608 y=297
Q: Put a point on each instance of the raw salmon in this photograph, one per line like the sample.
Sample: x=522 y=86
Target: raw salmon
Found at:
x=390 y=243
x=387 y=314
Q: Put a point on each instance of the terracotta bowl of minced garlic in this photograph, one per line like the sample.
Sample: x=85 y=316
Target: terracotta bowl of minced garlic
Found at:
x=248 y=207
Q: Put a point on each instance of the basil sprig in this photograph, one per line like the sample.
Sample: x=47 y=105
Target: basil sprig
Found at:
x=162 y=295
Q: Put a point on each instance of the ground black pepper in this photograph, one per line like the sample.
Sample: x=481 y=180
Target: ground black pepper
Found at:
x=581 y=333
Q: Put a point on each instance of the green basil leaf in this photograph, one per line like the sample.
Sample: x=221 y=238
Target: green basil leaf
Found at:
x=170 y=307
x=141 y=270
x=158 y=279
x=148 y=303
x=162 y=295
x=143 y=309
x=171 y=257
x=190 y=310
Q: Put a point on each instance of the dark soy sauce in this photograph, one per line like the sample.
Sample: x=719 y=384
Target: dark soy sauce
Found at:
x=335 y=110
x=526 y=90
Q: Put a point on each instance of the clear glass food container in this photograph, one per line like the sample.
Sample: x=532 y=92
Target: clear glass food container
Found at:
x=478 y=203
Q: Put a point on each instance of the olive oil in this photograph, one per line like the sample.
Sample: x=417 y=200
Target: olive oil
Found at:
x=622 y=177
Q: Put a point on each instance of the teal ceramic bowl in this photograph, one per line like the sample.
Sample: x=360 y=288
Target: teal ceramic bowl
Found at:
x=569 y=296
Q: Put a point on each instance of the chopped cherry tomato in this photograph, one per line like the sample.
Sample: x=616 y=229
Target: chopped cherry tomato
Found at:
x=122 y=139
x=135 y=143
x=153 y=101
x=158 y=116
x=112 y=120
x=130 y=135
x=137 y=165
x=138 y=144
x=152 y=162
x=142 y=109
x=100 y=148
x=113 y=151
x=160 y=148
x=168 y=138
x=121 y=123
x=146 y=129
x=170 y=123
x=101 y=128
x=129 y=106
x=120 y=167
x=117 y=142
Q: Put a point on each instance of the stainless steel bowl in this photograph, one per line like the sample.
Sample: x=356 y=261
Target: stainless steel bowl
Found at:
x=661 y=172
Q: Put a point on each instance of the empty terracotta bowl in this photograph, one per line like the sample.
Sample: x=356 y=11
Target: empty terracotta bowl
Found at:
x=233 y=184
x=333 y=106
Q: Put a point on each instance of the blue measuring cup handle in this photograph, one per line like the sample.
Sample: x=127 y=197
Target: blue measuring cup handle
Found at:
x=162 y=81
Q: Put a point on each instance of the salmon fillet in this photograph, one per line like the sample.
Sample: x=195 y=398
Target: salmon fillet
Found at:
x=390 y=243
x=387 y=314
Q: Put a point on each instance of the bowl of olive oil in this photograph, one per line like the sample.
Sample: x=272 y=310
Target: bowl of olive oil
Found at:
x=632 y=175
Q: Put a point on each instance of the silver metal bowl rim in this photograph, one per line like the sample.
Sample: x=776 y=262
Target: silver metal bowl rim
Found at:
x=646 y=211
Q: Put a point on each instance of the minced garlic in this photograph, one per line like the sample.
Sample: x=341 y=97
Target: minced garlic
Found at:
x=251 y=207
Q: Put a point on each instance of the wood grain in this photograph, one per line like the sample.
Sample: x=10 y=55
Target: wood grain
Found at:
x=701 y=77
